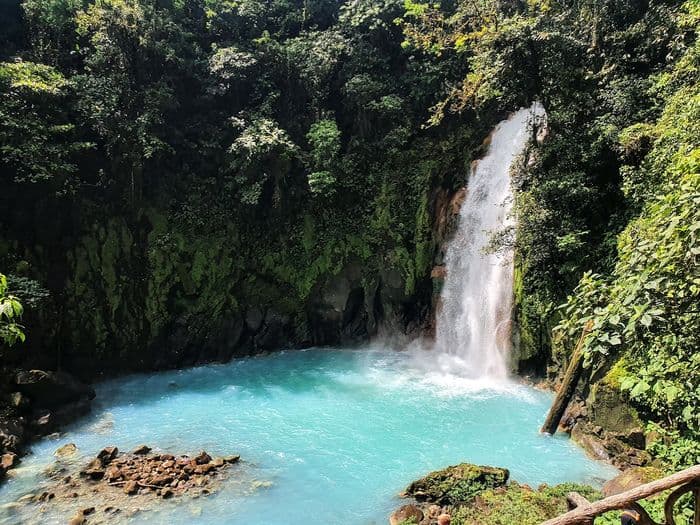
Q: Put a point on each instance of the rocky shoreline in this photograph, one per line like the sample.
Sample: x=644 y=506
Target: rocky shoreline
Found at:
x=115 y=483
x=37 y=403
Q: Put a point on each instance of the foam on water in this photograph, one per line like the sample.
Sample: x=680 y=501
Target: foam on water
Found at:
x=337 y=433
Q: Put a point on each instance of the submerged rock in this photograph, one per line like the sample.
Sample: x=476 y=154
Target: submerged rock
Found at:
x=66 y=450
x=457 y=484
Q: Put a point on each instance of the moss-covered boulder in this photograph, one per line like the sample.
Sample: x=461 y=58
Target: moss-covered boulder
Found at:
x=518 y=504
x=457 y=484
x=610 y=409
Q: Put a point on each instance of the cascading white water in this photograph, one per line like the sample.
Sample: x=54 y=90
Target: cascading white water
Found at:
x=473 y=325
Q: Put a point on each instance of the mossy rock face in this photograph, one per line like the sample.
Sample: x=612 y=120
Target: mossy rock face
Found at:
x=610 y=410
x=457 y=484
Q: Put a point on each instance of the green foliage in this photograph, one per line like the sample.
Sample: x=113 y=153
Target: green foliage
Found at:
x=10 y=313
x=324 y=138
x=646 y=309
x=259 y=155
x=519 y=504
x=287 y=133
x=37 y=143
x=676 y=451
x=28 y=291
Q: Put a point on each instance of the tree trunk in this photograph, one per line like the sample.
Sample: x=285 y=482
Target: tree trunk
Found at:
x=568 y=386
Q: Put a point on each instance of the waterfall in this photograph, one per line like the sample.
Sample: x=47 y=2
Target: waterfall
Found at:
x=473 y=322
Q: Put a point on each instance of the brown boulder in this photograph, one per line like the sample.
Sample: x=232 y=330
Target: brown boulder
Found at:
x=131 y=487
x=9 y=460
x=161 y=480
x=444 y=519
x=202 y=458
x=631 y=478
x=107 y=454
x=66 y=450
x=141 y=450
x=406 y=513
x=112 y=473
x=78 y=519
x=94 y=470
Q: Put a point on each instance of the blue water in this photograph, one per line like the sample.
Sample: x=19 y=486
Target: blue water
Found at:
x=326 y=436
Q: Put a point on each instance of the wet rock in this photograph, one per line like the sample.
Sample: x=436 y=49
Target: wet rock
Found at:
x=634 y=437
x=78 y=519
x=112 y=473
x=107 y=454
x=10 y=440
x=574 y=412
x=254 y=319
x=457 y=484
x=44 y=423
x=438 y=272
x=94 y=470
x=18 y=401
x=66 y=450
x=150 y=478
x=202 y=458
x=51 y=389
x=9 y=460
x=130 y=487
x=584 y=434
x=231 y=459
x=406 y=513
x=45 y=496
x=141 y=450
x=604 y=445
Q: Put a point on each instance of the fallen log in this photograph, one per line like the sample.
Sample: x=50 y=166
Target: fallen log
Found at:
x=568 y=385
x=627 y=499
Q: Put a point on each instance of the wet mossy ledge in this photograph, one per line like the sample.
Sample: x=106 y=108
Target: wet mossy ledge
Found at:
x=468 y=494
